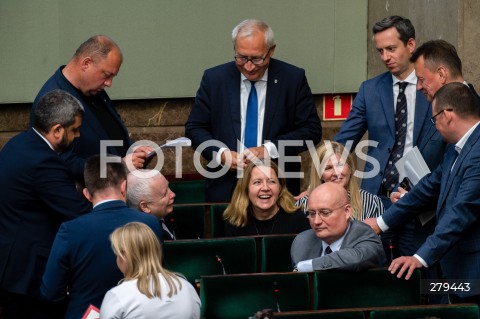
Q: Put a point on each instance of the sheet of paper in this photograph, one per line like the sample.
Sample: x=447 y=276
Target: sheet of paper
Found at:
x=413 y=166
x=92 y=313
x=181 y=141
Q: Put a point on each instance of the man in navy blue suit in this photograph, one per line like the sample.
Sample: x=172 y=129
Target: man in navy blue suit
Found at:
x=91 y=69
x=82 y=267
x=37 y=194
x=286 y=111
x=453 y=187
x=373 y=111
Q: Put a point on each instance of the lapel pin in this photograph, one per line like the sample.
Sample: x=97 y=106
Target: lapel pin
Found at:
x=275 y=81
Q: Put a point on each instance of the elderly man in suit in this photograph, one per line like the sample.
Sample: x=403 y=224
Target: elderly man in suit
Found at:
x=335 y=240
x=37 y=194
x=453 y=187
x=251 y=107
x=92 y=68
x=148 y=191
x=82 y=267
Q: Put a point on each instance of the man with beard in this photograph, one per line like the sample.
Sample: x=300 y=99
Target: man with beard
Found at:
x=37 y=194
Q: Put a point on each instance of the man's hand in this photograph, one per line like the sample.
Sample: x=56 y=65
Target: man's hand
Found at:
x=301 y=195
x=372 y=222
x=395 y=196
x=137 y=159
x=404 y=263
x=238 y=161
x=259 y=152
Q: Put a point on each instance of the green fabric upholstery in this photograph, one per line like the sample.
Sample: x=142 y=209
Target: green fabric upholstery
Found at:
x=188 y=192
x=240 y=296
x=458 y=311
x=372 y=288
x=217 y=223
x=188 y=221
x=321 y=314
x=194 y=258
x=276 y=253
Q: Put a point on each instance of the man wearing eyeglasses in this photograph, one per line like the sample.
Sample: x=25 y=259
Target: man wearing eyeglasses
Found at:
x=335 y=240
x=251 y=105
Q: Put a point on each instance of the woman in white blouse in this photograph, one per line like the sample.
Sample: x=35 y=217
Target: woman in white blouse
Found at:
x=148 y=290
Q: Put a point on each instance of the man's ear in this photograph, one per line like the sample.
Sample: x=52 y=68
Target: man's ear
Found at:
x=86 y=62
x=87 y=194
x=443 y=74
x=123 y=188
x=57 y=131
x=143 y=206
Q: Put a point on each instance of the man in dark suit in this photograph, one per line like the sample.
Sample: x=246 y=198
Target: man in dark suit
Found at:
x=335 y=240
x=220 y=118
x=82 y=267
x=37 y=193
x=92 y=68
x=148 y=191
x=453 y=187
x=374 y=111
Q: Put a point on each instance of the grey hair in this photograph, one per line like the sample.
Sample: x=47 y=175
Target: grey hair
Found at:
x=56 y=107
x=248 y=27
x=97 y=47
x=139 y=188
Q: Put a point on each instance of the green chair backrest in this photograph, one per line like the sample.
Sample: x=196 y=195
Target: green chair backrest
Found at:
x=217 y=223
x=321 y=314
x=372 y=288
x=188 y=221
x=455 y=311
x=276 y=253
x=240 y=296
x=188 y=192
x=194 y=258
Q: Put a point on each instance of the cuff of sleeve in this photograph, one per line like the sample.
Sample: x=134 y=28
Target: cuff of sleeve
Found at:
x=421 y=260
x=305 y=266
x=218 y=158
x=381 y=224
x=271 y=149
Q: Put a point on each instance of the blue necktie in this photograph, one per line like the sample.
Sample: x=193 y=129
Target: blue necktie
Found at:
x=251 y=122
x=391 y=172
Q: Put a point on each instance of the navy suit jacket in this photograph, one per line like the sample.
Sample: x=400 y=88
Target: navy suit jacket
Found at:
x=456 y=239
x=37 y=193
x=373 y=111
x=290 y=114
x=91 y=131
x=82 y=259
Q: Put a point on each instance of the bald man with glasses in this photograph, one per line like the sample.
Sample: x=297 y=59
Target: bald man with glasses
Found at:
x=336 y=241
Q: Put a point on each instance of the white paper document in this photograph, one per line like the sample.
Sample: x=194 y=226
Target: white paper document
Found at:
x=181 y=141
x=413 y=166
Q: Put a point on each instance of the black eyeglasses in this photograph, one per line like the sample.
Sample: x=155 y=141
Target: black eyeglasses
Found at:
x=433 y=117
x=241 y=60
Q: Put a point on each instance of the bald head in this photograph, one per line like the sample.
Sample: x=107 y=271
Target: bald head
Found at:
x=329 y=211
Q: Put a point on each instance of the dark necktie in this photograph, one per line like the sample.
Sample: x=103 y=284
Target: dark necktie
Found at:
x=251 y=121
x=328 y=250
x=391 y=173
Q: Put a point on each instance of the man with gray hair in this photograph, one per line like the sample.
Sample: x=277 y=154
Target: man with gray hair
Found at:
x=250 y=107
x=148 y=191
x=37 y=194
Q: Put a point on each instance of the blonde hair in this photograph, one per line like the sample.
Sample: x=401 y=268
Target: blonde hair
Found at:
x=324 y=152
x=237 y=211
x=137 y=245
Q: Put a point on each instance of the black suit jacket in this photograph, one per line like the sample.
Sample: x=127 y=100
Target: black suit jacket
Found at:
x=37 y=194
x=290 y=114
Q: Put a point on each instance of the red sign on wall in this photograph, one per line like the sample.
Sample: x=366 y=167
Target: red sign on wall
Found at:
x=336 y=106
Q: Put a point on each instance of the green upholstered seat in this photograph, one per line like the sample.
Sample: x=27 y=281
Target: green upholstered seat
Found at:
x=276 y=253
x=455 y=311
x=372 y=288
x=322 y=314
x=194 y=258
x=188 y=221
x=217 y=223
x=188 y=192
x=240 y=296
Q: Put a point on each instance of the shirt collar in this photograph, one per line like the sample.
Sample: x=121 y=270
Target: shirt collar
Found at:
x=336 y=245
x=46 y=141
x=410 y=79
x=461 y=143
x=264 y=77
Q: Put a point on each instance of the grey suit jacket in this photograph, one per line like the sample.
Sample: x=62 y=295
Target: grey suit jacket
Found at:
x=361 y=249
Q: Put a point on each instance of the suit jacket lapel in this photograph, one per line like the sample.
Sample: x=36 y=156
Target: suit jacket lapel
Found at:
x=386 y=99
x=271 y=99
x=233 y=96
x=422 y=115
